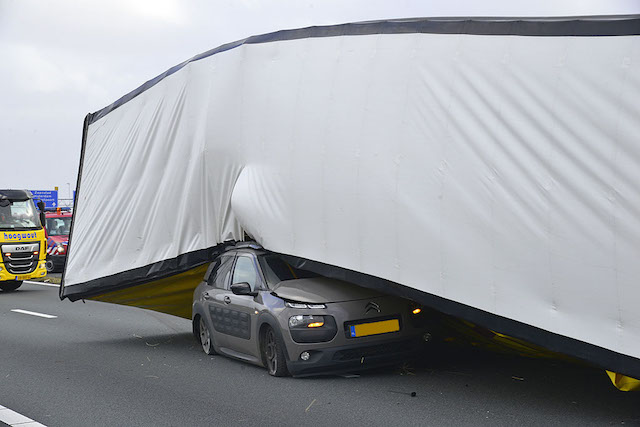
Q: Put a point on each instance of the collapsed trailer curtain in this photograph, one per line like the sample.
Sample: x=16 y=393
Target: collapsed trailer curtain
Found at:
x=490 y=165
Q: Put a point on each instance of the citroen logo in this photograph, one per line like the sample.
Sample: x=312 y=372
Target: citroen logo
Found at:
x=371 y=306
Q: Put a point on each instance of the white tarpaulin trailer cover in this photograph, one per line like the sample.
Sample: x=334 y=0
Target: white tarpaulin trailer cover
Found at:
x=485 y=167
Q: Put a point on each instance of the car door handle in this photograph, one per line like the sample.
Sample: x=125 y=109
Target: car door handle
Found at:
x=206 y=295
x=227 y=300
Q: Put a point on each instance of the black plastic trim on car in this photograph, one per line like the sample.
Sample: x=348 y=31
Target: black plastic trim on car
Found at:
x=374 y=350
x=353 y=357
x=269 y=319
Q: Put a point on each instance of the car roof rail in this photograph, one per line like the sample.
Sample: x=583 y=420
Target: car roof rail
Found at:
x=250 y=245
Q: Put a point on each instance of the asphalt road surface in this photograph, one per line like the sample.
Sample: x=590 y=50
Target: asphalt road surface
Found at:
x=98 y=364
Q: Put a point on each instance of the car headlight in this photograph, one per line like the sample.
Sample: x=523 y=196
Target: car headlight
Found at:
x=60 y=247
x=312 y=329
x=302 y=305
x=304 y=321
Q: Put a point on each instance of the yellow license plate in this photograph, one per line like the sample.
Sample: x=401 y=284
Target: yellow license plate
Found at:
x=374 y=328
x=25 y=277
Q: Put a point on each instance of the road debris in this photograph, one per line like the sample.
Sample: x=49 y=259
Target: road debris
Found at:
x=312 y=402
x=350 y=375
x=406 y=369
x=412 y=394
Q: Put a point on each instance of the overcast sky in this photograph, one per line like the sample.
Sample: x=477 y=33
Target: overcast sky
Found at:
x=63 y=59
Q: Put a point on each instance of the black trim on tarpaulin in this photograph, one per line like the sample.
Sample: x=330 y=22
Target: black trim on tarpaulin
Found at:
x=606 y=359
x=85 y=130
x=595 y=26
x=141 y=275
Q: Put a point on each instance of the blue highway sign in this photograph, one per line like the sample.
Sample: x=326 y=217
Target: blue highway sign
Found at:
x=49 y=197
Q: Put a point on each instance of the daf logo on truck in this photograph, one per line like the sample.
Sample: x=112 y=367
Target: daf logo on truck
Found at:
x=21 y=248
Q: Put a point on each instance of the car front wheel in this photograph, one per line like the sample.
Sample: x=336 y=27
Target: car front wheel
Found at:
x=205 y=337
x=273 y=353
x=10 y=286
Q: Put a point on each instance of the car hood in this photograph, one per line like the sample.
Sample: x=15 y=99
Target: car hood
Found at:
x=319 y=290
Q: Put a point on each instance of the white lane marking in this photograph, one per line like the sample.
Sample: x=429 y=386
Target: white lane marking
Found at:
x=42 y=284
x=13 y=418
x=33 y=313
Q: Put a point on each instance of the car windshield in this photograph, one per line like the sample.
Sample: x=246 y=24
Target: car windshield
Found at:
x=19 y=215
x=276 y=270
x=58 y=226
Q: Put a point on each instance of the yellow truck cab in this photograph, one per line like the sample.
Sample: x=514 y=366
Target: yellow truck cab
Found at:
x=23 y=244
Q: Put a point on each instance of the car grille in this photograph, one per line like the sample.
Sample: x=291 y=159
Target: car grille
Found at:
x=20 y=262
x=373 y=350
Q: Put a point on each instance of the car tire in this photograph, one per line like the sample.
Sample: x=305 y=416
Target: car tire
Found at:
x=204 y=336
x=273 y=353
x=49 y=265
x=10 y=286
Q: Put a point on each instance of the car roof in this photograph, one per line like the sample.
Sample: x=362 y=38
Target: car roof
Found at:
x=234 y=251
x=245 y=247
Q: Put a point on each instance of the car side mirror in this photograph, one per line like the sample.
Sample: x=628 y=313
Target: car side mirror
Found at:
x=242 y=288
x=42 y=216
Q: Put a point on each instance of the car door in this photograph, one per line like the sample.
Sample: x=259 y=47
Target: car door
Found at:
x=214 y=298
x=242 y=310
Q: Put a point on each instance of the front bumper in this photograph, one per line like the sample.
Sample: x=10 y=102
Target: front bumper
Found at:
x=354 y=357
x=40 y=271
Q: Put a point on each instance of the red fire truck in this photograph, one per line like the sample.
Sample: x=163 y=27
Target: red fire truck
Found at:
x=57 y=224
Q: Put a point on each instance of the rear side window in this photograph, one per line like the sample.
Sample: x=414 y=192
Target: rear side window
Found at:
x=211 y=271
x=220 y=276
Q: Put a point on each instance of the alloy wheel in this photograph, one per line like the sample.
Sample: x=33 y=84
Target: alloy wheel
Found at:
x=205 y=338
x=271 y=351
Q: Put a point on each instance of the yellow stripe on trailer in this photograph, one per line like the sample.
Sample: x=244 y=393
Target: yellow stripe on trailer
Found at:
x=171 y=295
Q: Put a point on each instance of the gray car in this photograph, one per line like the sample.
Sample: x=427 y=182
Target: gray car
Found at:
x=255 y=307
